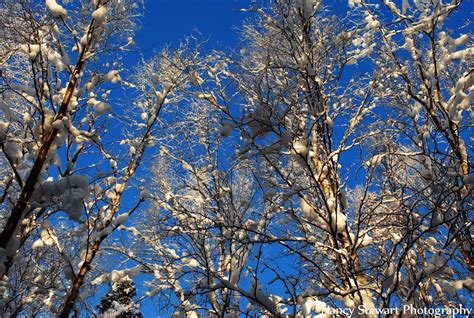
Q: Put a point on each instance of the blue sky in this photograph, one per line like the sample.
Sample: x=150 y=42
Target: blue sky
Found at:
x=169 y=21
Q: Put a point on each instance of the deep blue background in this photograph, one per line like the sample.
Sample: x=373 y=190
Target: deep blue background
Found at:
x=218 y=21
x=169 y=22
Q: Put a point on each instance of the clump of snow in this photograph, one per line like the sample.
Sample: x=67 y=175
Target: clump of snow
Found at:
x=462 y=54
x=308 y=211
x=308 y=7
x=145 y=194
x=390 y=277
x=329 y=122
x=196 y=80
x=59 y=61
x=13 y=151
x=117 y=275
x=340 y=221
x=375 y=160
x=167 y=86
x=3 y=130
x=226 y=129
x=101 y=108
x=301 y=147
x=9 y=115
x=193 y=263
x=353 y=3
x=113 y=164
x=32 y=50
x=468 y=284
x=469 y=180
x=437 y=218
x=56 y=9
x=99 y=15
x=365 y=241
x=37 y=244
x=69 y=192
x=160 y=97
x=47 y=237
x=113 y=76
x=13 y=244
x=259 y=121
x=312 y=215
x=121 y=219
x=204 y=96
x=299 y=151
x=372 y=22
x=313 y=304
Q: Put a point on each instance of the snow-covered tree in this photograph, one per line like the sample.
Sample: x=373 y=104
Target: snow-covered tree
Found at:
x=324 y=165
x=199 y=231
x=119 y=301
x=362 y=206
x=57 y=82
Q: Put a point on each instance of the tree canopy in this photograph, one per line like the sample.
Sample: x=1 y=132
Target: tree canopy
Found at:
x=321 y=166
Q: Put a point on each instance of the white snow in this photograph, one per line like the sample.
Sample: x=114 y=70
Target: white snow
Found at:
x=117 y=275
x=341 y=220
x=462 y=54
x=313 y=304
x=99 y=15
x=32 y=50
x=300 y=147
x=47 y=236
x=113 y=76
x=113 y=164
x=193 y=263
x=308 y=211
x=437 y=218
x=308 y=7
x=70 y=190
x=3 y=130
x=196 y=80
x=167 y=86
x=144 y=194
x=329 y=122
x=58 y=124
x=392 y=6
x=469 y=180
x=13 y=245
x=405 y=6
x=57 y=60
x=353 y=3
x=37 y=244
x=375 y=160
x=226 y=129
x=121 y=219
x=9 y=115
x=13 y=150
x=101 y=108
x=73 y=203
x=56 y=9
x=160 y=96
